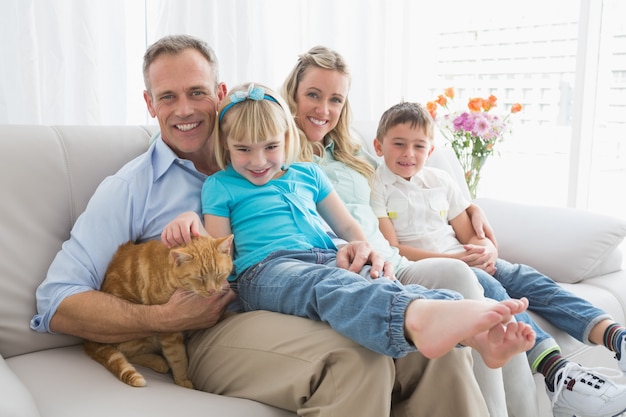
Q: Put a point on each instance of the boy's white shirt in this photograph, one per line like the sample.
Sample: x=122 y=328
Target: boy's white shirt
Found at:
x=421 y=208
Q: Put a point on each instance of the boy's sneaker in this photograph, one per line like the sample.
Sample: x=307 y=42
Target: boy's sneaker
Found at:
x=582 y=392
x=621 y=357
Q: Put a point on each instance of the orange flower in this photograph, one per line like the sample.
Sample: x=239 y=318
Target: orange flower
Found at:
x=472 y=134
x=441 y=100
x=475 y=104
x=431 y=106
x=489 y=103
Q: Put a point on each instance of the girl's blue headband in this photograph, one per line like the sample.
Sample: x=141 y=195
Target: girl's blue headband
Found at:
x=253 y=93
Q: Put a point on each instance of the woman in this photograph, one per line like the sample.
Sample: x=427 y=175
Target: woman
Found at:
x=317 y=93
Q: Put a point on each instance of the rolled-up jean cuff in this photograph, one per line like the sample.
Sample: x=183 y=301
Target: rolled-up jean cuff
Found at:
x=593 y=324
x=396 y=324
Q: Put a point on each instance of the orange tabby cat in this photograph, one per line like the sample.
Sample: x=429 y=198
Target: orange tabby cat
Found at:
x=149 y=273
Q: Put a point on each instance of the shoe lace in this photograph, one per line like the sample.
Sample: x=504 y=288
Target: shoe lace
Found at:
x=576 y=371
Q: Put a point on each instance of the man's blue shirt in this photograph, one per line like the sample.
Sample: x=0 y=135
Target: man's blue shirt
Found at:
x=135 y=204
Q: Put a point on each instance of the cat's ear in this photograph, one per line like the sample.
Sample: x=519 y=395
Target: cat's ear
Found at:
x=179 y=256
x=225 y=243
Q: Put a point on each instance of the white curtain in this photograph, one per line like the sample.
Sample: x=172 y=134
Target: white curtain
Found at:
x=68 y=62
x=79 y=61
x=382 y=41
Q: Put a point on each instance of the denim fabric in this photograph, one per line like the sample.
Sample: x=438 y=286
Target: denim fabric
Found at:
x=548 y=299
x=308 y=284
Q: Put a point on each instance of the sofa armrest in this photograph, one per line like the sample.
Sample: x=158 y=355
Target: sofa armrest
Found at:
x=17 y=400
x=568 y=245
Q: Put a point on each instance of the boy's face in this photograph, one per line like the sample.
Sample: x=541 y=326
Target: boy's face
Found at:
x=405 y=149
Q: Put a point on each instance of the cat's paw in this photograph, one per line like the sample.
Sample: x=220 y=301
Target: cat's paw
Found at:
x=184 y=383
x=155 y=362
x=159 y=366
x=134 y=379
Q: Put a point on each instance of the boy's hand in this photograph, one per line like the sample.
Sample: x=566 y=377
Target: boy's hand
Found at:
x=480 y=257
x=180 y=230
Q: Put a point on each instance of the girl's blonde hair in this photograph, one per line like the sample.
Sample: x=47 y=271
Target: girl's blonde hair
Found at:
x=252 y=113
x=347 y=149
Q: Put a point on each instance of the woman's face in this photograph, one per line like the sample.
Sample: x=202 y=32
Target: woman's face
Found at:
x=320 y=97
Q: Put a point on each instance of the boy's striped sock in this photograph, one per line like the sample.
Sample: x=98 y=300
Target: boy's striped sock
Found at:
x=612 y=338
x=549 y=366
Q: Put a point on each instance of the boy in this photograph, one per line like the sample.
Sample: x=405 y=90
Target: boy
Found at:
x=422 y=212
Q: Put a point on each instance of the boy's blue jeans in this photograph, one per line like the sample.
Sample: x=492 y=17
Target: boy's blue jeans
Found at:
x=558 y=306
x=308 y=284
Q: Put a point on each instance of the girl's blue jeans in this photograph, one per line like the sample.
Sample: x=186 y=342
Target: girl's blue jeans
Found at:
x=548 y=299
x=309 y=284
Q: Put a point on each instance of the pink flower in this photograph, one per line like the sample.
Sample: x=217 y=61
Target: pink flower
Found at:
x=472 y=133
x=463 y=122
x=482 y=125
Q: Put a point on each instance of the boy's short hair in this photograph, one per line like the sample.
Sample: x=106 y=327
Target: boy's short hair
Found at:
x=405 y=112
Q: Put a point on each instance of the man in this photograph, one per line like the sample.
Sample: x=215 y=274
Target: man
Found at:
x=284 y=361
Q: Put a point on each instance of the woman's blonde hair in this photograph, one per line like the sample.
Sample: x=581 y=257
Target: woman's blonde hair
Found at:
x=252 y=113
x=346 y=149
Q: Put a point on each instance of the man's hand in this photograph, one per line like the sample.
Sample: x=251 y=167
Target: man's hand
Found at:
x=105 y=318
x=355 y=255
x=190 y=311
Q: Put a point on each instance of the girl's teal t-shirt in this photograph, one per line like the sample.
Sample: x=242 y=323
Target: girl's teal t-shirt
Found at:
x=279 y=215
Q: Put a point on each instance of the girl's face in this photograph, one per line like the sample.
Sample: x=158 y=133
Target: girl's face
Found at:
x=258 y=162
x=320 y=97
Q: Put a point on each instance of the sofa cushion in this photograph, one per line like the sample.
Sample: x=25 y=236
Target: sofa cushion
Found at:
x=65 y=382
x=42 y=194
x=568 y=245
x=16 y=399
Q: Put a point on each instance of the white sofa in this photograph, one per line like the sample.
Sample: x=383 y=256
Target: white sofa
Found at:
x=47 y=175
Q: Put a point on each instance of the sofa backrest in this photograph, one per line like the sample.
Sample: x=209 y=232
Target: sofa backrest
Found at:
x=47 y=175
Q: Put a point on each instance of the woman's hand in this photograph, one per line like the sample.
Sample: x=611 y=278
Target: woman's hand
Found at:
x=355 y=255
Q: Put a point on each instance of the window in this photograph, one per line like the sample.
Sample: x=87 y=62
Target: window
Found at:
x=536 y=59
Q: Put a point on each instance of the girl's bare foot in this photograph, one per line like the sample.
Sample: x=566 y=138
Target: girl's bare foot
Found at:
x=437 y=326
x=500 y=343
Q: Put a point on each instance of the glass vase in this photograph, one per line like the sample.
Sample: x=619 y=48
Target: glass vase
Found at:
x=472 y=165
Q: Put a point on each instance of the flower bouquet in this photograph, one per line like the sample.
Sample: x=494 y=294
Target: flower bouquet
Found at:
x=472 y=133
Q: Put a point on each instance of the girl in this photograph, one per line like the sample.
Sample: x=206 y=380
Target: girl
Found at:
x=285 y=259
